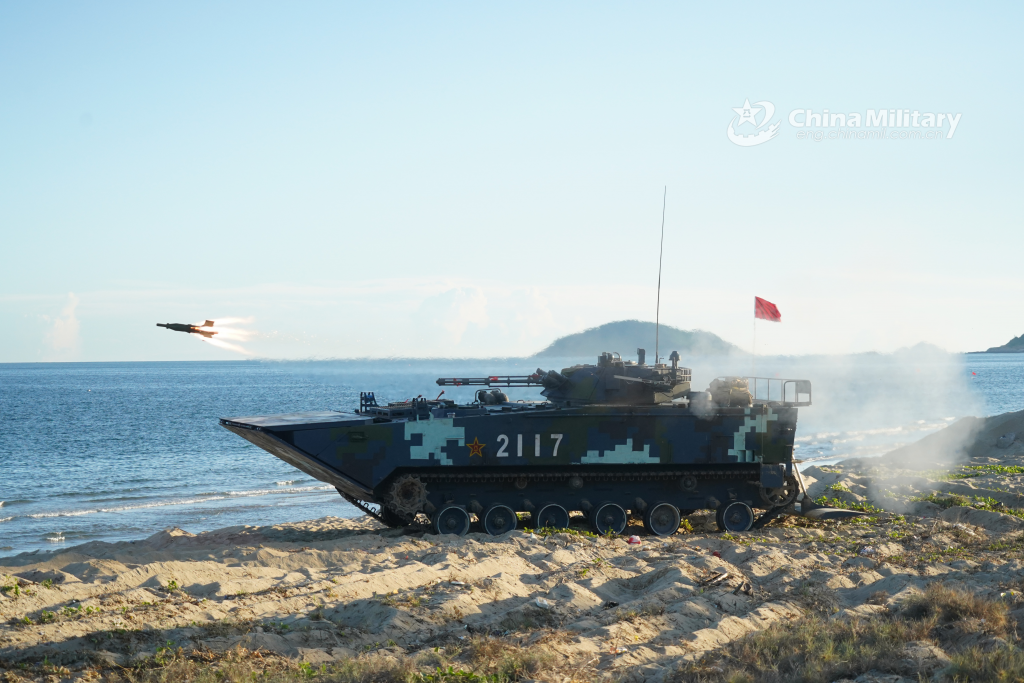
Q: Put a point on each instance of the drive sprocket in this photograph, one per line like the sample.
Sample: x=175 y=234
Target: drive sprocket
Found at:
x=407 y=496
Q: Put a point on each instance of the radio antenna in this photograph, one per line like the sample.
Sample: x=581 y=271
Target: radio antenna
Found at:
x=661 y=250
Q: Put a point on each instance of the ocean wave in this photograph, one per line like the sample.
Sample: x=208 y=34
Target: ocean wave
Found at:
x=285 y=483
x=6 y=519
x=124 y=508
x=264 y=492
x=71 y=513
x=226 y=495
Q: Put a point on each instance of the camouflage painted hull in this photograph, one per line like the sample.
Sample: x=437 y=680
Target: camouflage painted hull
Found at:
x=526 y=456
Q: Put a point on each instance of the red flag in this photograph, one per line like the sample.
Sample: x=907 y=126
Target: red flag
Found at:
x=766 y=310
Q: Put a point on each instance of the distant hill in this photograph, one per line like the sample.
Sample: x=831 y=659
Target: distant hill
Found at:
x=920 y=350
x=626 y=336
x=1015 y=345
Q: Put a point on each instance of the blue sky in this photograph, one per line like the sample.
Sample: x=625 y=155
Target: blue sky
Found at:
x=448 y=179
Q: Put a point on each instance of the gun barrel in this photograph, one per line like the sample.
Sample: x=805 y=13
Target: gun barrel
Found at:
x=492 y=381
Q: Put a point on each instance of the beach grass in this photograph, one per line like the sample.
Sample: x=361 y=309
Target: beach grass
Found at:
x=820 y=649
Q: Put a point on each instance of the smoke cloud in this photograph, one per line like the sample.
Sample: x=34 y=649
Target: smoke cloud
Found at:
x=866 y=404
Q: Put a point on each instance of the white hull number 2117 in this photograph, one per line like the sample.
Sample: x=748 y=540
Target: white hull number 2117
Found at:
x=503 y=452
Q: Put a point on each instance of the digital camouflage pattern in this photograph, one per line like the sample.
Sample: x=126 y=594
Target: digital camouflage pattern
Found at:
x=570 y=447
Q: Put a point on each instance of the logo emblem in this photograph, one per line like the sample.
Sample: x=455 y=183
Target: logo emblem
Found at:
x=476 y=448
x=747 y=116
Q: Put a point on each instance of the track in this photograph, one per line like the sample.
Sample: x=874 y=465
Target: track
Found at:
x=573 y=479
x=362 y=506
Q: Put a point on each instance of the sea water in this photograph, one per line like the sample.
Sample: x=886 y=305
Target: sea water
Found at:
x=116 y=451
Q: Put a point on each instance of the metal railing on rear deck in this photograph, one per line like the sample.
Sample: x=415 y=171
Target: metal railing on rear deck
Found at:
x=793 y=392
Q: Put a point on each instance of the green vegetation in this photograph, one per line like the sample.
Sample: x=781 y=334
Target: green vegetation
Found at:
x=165 y=654
x=1014 y=544
x=452 y=674
x=479 y=659
x=943 y=501
x=504 y=662
x=946 y=475
x=744 y=540
x=551 y=531
x=816 y=649
x=949 y=500
x=972 y=471
x=172 y=586
x=643 y=612
x=843 y=505
x=945 y=555
x=839 y=487
x=393 y=599
x=995 y=469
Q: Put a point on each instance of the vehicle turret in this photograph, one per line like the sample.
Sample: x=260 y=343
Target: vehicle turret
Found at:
x=613 y=381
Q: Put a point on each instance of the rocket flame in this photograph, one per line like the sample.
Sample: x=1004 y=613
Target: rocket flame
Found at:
x=228 y=337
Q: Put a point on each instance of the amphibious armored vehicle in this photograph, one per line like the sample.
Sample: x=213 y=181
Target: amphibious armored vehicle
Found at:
x=610 y=439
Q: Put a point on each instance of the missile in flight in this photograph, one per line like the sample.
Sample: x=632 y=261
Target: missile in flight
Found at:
x=191 y=329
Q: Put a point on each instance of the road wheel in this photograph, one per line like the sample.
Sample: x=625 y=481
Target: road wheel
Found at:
x=662 y=519
x=550 y=516
x=452 y=519
x=609 y=517
x=499 y=519
x=734 y=517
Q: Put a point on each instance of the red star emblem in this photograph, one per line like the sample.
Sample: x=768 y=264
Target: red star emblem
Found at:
x=476 y=448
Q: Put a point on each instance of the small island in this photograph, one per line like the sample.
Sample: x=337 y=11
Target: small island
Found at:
x=1015 y=345
x=626 y=336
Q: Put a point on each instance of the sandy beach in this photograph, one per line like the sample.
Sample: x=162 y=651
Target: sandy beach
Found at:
x=332 y=595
